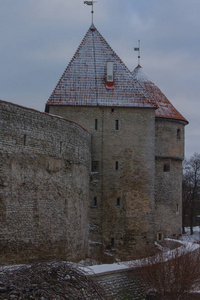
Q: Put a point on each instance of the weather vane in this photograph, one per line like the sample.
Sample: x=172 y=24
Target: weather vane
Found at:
x=138 y=49
x=92 y=4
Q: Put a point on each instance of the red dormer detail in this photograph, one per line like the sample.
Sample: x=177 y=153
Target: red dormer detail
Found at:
x=109 y=83
x=110 y=74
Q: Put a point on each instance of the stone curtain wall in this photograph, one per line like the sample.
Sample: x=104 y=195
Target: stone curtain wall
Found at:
x=44 y=186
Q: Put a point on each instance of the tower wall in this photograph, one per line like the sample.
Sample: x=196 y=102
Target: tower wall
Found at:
x=44 y=186
x=168 y=181
x=122 y=178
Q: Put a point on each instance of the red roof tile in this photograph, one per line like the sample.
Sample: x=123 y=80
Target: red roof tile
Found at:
x=165 y=108
x=83 y=81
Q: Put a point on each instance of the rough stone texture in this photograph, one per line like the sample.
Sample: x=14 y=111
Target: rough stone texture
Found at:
x=137 y=149
x=168 y=144
x=44 y=186
x=49 y=193
x=168 y=187
x=120 y=230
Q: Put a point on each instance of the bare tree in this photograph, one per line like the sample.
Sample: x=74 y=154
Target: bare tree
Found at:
x=56 y=280
x=171 y=276
x=191 y=188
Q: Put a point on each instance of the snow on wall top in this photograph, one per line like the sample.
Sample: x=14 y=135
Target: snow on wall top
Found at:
x=165 y=108
x=84 y=80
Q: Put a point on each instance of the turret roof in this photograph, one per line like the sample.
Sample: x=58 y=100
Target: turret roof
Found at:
x=84 y=80
x=165 y=108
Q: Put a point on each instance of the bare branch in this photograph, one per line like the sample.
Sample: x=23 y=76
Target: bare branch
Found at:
x=55 y=280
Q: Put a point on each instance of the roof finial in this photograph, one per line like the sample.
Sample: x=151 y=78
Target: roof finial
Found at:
x=92 y=4
x=138 y=49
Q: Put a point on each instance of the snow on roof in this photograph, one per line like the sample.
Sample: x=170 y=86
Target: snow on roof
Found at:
x=84 y=80
x=165 y=108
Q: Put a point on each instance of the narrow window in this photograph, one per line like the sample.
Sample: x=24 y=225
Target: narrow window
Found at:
x=112 y=109
x=66 y=207
x=112 y=242
x=60 y=147
x=95 y=166
x=159 y=236
x=177 y=209
x=116 y=124
x=118 y=202
x=24 y=139
x=116 y=165
x=96 y=124
x=178 y=134
x=166 y=168
x=95 y=202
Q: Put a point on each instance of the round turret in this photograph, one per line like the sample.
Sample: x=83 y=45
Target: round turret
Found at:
x=169 y=153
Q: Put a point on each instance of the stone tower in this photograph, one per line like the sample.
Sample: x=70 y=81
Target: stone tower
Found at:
x=169 y=154
x=129 y=148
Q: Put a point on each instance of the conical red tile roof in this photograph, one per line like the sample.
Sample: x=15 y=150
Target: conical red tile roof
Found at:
x=83 y=81
x=165 y=108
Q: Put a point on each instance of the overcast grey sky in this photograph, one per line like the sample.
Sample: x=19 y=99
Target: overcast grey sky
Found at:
x=39 y=37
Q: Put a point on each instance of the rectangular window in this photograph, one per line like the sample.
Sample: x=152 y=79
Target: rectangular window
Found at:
x=95 y=166
x=159 y=236
x=96 y=124
x=166 y=168
x=24 y=139
x=178 y=134
x=116 y=165
x=60 y=147
x=116 y=124
x=95 y=202
x=112 y=242
x=118 y=202
x=177 y=209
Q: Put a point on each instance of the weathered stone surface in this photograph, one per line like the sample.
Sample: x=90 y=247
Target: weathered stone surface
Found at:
x=126 y=228
x=168 y=188
x=44 y=186
x=51 y=197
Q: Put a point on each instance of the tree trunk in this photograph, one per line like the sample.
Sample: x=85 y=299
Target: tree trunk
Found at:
x=191 y=219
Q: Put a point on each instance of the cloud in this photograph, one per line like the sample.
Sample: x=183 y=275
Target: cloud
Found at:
x=39 y=38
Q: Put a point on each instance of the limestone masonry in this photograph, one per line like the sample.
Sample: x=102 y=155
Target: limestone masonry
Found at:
x=108 y=187
x=44 y=185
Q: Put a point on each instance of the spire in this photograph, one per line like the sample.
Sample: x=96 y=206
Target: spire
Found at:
x=85 y=81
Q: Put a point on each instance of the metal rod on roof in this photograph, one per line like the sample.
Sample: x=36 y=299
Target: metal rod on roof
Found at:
x=92 y=11
x=138 y=50
x=92 y=4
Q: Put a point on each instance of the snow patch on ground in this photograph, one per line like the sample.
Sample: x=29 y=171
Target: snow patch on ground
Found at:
x=189 y=243
x=195 y=238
